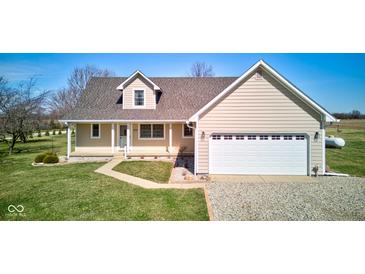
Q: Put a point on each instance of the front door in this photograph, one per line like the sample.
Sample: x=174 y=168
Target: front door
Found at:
x=123 y=135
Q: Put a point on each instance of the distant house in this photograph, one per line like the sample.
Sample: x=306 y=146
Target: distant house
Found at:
x=258 y=123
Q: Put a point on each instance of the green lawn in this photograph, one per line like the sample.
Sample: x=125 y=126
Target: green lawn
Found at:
x=76 y=192
x=351 y=158
x=156 y=171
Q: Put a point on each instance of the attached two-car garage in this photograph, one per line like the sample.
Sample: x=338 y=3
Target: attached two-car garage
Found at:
x=266 y=154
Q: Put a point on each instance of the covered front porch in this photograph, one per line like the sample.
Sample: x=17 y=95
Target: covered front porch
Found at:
x=137 y=139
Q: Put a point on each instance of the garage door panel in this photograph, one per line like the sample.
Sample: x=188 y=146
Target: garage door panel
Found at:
x=254 y=151
x=276 y=157
x=255 y=163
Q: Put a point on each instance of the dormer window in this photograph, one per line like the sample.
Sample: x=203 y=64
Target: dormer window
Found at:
x=139 y=98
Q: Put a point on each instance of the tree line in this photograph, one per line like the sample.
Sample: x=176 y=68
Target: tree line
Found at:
x=355 y=114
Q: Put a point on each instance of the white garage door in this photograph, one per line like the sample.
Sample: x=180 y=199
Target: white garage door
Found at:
x=258 y=154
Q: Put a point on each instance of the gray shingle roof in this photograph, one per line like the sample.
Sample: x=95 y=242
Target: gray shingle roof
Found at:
x=181 y=98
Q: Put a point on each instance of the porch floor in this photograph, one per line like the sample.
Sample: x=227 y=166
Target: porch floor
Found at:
x=132 y=153
x=157 y=153
x=96 y=153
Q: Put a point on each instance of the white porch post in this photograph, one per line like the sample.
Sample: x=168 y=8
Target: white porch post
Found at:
x=118 y=136
x=170 y=137
x=113 y=136
x=68 y=140
x=131 y=133
x=128 y=135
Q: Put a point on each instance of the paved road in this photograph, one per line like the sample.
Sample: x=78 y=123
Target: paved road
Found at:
x=325 y=198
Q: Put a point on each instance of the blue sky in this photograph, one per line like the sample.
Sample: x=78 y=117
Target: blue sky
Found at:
x=336 y=81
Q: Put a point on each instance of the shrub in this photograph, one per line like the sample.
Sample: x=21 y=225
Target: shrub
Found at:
x=47 y=133
x=54 y=132
x=39 y=158
x=51 y=159
x=39 y=134
x=59 y=132
x=31 y=136
x=73 y=132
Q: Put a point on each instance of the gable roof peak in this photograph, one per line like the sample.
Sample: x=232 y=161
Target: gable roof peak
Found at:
x=328 y=117
x=135 y=74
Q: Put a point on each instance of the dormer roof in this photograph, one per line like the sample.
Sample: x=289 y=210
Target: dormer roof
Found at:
x=135 y=75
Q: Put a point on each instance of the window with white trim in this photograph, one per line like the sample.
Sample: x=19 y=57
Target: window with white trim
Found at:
x=240 y=137
x=251 y=137
x=151 y=131
x=227 y=137
x=288 y=137
x=275 y=137
x=157 y=131
x=187 y=131
x=264 y=137
x=139 y=97
x=216 y=137
x=95 y=131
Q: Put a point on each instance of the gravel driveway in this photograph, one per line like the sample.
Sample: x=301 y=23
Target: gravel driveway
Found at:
x=327 y=198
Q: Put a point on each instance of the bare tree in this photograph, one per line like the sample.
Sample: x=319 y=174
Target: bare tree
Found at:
x=19 y=111
x=65 y=99
x=61 y=102
x=201 y=69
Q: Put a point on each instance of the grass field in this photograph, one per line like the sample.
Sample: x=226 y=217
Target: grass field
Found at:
x=76 y=192
x=156 y=171
x=351 y=158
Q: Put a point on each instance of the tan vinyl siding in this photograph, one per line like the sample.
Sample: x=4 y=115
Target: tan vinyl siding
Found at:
x=83 y=136
x=260 y=106
x=177 y=140
x=149 y=94
x=150 y=142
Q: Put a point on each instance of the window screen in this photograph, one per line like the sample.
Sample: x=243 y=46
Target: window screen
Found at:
x=151 y=131
x=145 y=131
x=95 y=132
x=139 y=98
x=157 y=131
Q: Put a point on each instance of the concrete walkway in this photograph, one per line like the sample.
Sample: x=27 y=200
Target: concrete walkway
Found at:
x=107 y=170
